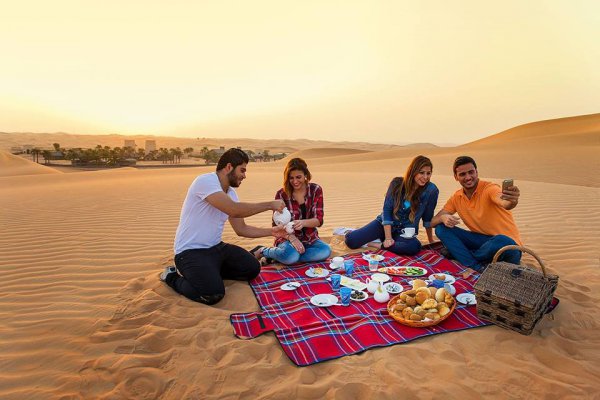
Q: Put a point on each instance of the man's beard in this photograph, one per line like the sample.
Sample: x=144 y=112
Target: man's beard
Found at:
x=233 y=181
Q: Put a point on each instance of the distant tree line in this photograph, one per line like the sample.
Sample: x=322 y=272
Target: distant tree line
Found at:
x=118 y=156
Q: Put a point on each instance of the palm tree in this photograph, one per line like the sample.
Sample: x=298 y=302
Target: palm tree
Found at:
x=35 y=154
x=188 y=150
x=47 y=154
x=204 y=154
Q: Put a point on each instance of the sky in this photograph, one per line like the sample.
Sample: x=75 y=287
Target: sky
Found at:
x=377 y=71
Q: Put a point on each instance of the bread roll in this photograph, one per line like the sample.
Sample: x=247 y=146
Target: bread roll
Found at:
x=440 y=295
x=429 y=303
x=415 y=317
x=410 y=292
x=432 y=291
x=432 y=316
x=403 y=296
x=422 y=296
x=411 y=301
x=443 y=311
x=407 y=312
x=425 y=290
x=417 y=283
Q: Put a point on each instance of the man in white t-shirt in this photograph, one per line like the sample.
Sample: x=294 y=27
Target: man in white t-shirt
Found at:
x=201 y=257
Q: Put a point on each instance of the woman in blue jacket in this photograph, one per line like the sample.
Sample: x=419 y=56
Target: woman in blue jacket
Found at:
x=408 y=200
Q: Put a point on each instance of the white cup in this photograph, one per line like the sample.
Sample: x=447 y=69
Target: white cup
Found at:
x=337 y=262
x=408 y=232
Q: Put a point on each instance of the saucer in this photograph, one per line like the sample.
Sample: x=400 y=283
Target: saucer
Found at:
x=290 y=286
x=407 y=236
x=393 y=287
x=312 y=272
x=466 y=298
x=355 y=293
x=334 y=267
x=373 y=257
x=450 y=288
x=324 y=300
x=447 y=278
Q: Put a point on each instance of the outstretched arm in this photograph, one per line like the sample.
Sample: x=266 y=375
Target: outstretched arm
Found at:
x=509 y=197
x=234 y=209
x=242 y=229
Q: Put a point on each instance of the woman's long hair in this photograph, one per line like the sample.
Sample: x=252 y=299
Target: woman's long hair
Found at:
x=408 y=189
x=294 y=164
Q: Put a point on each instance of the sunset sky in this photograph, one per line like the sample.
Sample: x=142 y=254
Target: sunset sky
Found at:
x=378 y=71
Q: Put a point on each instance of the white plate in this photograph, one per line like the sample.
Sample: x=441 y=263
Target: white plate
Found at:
x=390 y=286
x=311 y=272
x=334 y=267
x=290 y=286
x=376 y=257
x=466 y=298
x=450 y=288
x=324 y=300
x=353 y=283
x=379 y=277
x=362 y=299
x=449 y=278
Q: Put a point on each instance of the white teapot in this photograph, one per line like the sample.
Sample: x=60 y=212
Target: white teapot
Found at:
x=381 y=295
x=284 y=218
x=372 y=285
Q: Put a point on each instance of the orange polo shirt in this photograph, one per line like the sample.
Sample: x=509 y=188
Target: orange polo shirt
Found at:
x=482 y=213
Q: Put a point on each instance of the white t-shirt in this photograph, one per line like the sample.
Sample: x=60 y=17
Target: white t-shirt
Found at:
x=201 y=224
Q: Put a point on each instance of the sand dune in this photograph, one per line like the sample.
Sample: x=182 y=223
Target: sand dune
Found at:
x=83 y=314
x=11 y=165
x=314 y=153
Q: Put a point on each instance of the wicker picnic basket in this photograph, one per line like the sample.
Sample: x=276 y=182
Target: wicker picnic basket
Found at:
x=514 y=296
x=417 y=324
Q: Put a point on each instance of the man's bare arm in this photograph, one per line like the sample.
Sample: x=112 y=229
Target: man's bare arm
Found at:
x=234 y=209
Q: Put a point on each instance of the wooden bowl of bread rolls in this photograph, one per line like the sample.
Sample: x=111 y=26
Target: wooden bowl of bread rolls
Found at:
x=421 y=306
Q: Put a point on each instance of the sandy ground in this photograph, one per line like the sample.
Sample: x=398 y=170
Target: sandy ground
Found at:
x=83 y=314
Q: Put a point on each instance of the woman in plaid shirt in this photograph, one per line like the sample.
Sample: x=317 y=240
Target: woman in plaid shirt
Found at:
x=304 y=200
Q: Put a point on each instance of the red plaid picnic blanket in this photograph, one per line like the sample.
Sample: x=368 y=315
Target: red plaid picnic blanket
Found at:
x=309 y=334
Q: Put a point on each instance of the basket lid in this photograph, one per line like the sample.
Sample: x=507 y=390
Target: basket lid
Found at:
x=516 y=283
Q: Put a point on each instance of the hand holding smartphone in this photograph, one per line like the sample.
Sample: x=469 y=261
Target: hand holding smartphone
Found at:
x=506 y=184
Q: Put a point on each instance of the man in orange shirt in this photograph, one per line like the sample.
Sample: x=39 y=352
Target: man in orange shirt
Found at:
x=484 y=208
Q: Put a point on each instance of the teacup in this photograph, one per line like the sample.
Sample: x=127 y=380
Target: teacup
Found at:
x=337 y=262
x=408 y=232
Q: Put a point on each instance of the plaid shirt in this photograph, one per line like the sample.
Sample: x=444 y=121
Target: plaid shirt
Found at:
x=314 y=209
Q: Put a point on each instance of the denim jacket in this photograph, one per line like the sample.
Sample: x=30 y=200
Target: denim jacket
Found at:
x=427 y=203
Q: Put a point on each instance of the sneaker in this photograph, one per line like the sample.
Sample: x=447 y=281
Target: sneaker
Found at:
x=168 y=271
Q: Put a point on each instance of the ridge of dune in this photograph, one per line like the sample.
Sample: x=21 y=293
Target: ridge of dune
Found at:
x=12 y=165
x=324 y=152
x=579 y=130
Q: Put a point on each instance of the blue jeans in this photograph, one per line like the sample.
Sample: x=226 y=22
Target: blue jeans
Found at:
x=374 y=230
x=285 y=253
x=476 y=250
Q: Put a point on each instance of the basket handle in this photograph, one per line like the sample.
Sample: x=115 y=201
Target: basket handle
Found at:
x=525 y=249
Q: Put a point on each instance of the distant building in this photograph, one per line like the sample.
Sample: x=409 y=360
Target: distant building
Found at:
x=130 y=143
x=16 y=150
x=150 y=146
x=219 y=151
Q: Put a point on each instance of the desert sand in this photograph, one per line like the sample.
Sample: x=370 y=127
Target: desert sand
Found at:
x=84 y=315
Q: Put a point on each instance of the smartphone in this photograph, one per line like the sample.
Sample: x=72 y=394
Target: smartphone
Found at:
x=506 y=184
